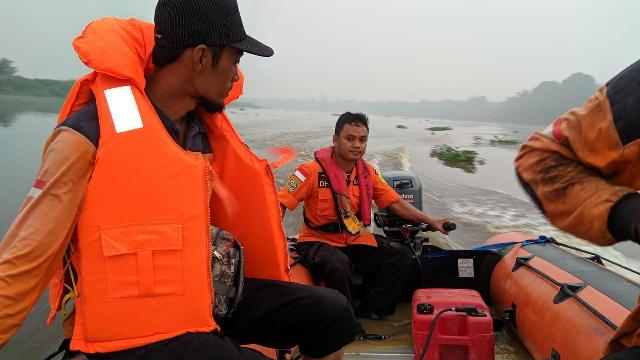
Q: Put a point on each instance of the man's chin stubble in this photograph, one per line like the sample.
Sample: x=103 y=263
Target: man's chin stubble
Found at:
x=212 y=107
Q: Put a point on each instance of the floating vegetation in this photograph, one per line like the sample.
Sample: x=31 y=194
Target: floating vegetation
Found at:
x=496 y=141
x=466 y=160
x=439 y=128
x=401 y=127
x=503 y=142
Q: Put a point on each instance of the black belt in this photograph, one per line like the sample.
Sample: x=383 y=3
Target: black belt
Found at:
x=332 y=227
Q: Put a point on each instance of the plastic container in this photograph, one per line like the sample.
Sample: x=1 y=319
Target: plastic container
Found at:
x=456 y=335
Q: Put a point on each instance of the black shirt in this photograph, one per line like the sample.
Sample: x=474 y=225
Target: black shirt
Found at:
x=85 y=121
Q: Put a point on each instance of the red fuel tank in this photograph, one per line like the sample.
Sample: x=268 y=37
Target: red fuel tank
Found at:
x=465 y=335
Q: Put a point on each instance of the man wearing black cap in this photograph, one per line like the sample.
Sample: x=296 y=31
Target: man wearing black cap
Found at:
x=122 y=207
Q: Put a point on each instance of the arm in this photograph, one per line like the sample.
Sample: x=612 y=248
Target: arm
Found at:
x=407 y=211
x=386 y=197
x=576 y=171
x=296 y=189
x=34 y=245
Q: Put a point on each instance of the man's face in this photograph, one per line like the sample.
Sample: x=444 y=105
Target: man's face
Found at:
x=215 y=82
x=351 y=143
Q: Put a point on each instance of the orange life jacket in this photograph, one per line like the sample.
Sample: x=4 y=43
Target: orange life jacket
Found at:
x=141 y=250
x=347 y=219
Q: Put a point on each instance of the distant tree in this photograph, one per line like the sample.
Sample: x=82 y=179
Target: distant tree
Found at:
x=540 y=105
x=7 y=68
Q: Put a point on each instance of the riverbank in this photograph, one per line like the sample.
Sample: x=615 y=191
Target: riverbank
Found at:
x=21 y=86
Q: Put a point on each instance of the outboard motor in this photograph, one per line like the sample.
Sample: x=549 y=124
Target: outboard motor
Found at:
x=408 y=186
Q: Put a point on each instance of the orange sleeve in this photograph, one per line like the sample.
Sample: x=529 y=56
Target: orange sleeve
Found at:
x=383 y=194
x=297 y=187
x=562 y=168
x=33 y=247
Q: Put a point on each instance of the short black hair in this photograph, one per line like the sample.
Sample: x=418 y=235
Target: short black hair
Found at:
x=162 y=56
x=355 y=119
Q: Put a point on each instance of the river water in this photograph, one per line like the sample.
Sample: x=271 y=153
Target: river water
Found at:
x=482 y=203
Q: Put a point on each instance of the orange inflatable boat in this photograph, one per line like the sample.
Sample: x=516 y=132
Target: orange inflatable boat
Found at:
x=559 y=301
x=561 y=305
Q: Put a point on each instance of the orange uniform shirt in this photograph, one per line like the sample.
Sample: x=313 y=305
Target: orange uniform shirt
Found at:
x=308 y=184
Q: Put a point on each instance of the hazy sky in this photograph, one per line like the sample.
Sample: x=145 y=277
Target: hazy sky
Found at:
x=371 y=50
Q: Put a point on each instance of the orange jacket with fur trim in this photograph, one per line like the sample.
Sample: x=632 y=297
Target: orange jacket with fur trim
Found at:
x=582 y=171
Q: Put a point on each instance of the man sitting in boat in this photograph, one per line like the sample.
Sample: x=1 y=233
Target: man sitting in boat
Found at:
x=582 y=171
x=337 y=189
x=142 y=162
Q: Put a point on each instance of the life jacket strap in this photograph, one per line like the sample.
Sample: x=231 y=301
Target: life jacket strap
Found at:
x=332 y=227
x=72 y=291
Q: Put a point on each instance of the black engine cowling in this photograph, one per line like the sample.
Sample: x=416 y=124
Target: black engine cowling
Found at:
x=409 y=187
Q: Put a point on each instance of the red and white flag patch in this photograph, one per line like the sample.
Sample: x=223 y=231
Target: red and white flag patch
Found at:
x=297 y=178
x=554 y=131
x=300 y=174
x=37 y=188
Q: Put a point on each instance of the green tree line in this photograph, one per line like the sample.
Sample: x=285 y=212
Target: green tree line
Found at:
x=12 y=84
x=539 y=105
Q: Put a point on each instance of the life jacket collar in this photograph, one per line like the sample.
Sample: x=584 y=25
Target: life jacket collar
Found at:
x=335 y=175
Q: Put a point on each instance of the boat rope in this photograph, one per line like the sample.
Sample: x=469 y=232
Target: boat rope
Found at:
x=540 y=240
x=566 y=290
x=556 y=242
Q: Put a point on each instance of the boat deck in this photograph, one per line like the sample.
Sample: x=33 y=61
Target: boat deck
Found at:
x=399 y=345
x=396 y=327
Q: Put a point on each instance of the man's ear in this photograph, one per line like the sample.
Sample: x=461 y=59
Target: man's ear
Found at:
x=200 y=57
x=335 y=139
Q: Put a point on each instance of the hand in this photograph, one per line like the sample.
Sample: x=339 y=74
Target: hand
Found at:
x=438 y=224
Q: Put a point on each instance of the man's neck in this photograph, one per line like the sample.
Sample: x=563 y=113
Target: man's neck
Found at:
x=346 y=165
x=165 y=91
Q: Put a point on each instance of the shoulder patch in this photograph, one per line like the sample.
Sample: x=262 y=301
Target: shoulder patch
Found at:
x=623 y=93
x=297 y=178
x=300 y=174
x=293 y=183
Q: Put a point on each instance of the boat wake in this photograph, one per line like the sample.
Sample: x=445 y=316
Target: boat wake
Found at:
x=481 y=213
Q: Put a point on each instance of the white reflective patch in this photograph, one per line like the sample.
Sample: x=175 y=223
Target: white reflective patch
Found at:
x=465 y=268
x=123 y=108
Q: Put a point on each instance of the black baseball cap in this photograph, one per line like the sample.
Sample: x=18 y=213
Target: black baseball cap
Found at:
x=186 y=23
